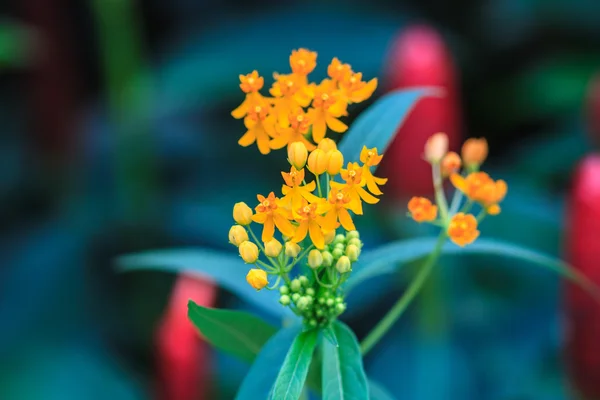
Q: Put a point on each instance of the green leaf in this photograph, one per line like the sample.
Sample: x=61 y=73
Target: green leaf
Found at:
x=378 y=392
x=329 y=334
x=292 y=375
x=234 y=332
x=377 y=125
x=226 y=269
x=385 y=259
x=343 y=373
x=265 y=369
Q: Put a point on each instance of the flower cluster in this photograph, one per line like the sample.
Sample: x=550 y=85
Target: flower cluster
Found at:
x=299 y=110
x=474 y=185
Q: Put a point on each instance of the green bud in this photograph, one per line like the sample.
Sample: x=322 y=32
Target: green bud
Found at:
x=353 y=235
x=312 y=322
x=303 y=303
x=321 y=300
x=337 y=253
x=295 y=297
x=319 y=312
x=315 y=259
x=355 y=242
x=284 y=289
x=304 y=281
x=340 y=246
x=329 y=302
x=343 y=265
x=296 y=285
x=352 y=252
x=339 y=299
x=339 y=238
x=285 y=300
x=327 y=259
x=340 y=308
x=310 y=292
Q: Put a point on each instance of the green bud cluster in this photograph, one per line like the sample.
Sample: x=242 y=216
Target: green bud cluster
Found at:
x=342 y=252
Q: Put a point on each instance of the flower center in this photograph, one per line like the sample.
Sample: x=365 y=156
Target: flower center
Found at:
x=250 y=81
x=324 y=97
x=257 y=109
x=340 y=196
x=352 y=173
x=266 y=203
x=306 y=209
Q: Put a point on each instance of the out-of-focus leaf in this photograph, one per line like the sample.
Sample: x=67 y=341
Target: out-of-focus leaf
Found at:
x=377 y=125
x=386 y=259
x=378 y=392
x=14 y=44
x=235 y=332
x=225 y=269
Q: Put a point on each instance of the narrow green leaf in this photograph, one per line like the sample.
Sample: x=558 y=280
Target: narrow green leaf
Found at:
x=378 y=392
x=292 y=375
x=343 y=373
x=235 y=332
x=376 y=126
x=385 y=259
x=226 y=269
x=329 y=334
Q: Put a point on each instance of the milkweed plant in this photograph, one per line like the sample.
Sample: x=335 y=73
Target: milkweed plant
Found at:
x=300 y=241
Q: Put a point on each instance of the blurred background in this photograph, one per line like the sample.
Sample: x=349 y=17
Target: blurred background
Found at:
x=116 y=137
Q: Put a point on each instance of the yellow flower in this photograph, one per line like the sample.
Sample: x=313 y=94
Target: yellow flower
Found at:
x=370 y=158
x=237 y=235
x=297 y=154
x=337 y=209
x=290 y=94
x=421 y=209
x=462 y=229
x=327 y=107
x=451 y=164
x=299 y=125
x=327 y=145
x=250 y=84
x=317 y=162
x=271 y=215
x=474 y=152
x=249 y=252
x=338 y=71
x=261 y=128
x=303 y=61
x=242 y=214
x=354 y=187
x=310 y=222
x=257 y=278
x=294 y=192
x=479 y=187
x=335 y=162
x=355 y=90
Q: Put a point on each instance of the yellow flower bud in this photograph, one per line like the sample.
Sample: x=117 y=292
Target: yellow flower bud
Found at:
x=436 y=147
x=242 y=214
x=327 y=145
x=451 y=163
x=237 y=235
x=335 y=162
x=257 y=278
x=352 y=251
x=329 y=236
x=315 y=259
x=317 y=162
x=297 y=155
x=292 y=249
x=249 y=252
x=474 y=152
x=273 y=248
x=343 y=265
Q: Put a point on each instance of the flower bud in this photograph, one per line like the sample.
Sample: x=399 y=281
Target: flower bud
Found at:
x=297 y=155
x=343 y=265
x=329 y=302
x=317 y=162
x=353 y=235
x=249 y=252
x=329 y=236
x=237 y=235
x=295 y=285
x=335 y=161
x=304 y=281
x=327 y=259
x=327 y=145
x=315 y=259
x=356 y=242
x=474 y=152
x=352 y=252
x=285 y=300
x=292 y=249
x=340 y=308
x=340 y=246
x=295 y=297
x=242 y=214
x=310 y=292
x=302 y=302
x=436 y=147
x=257 y=278
x=312 y=322
x=284 y=289
x=451 y=163
x=337 y=253
x=339 y=238
x=273 y=248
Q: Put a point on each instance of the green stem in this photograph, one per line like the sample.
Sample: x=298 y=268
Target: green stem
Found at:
x=404 y=301
x=440 y=197
x=300 y=257
x=327 y=186
x=481 y=215
x=260 y=246
x=318 y=179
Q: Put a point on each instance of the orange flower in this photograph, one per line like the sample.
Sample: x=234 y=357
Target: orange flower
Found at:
x=338 y=71
x=269 y=213
x=354 y=187
x=462 y=229
x=290 y=95
x=327 y=107
x=451 y=163
x=294 y=192
x=260 y=127
x=250 y=84
x=310 y=221
x=337 y=209
x=303 y=61
x=299 y=125
x=355 y=90
x=421 y=209
x=479 y=187
x=370 y=158
x=474 y=151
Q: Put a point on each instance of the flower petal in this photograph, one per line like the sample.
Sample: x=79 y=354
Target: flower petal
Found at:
x=316 y=235
x=346 y=220
x=336 y=125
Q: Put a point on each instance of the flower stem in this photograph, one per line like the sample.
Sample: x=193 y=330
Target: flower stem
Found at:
x=260 y=246
x=404 y=301
x=440 y=197
x=318 y=179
